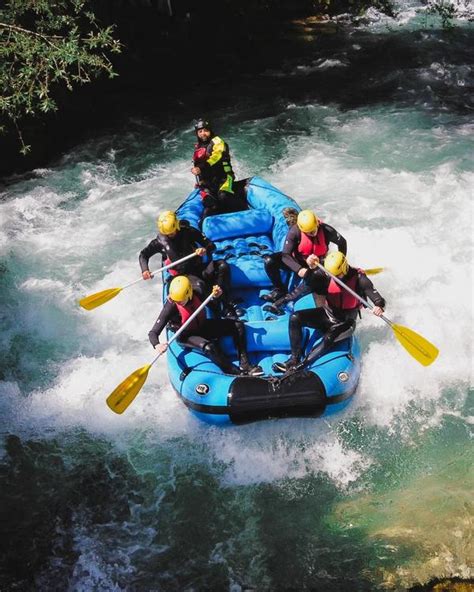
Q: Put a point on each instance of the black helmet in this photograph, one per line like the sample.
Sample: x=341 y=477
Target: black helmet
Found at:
x=202 y=124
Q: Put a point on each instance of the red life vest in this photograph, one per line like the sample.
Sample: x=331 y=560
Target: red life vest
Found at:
x=171 y=270
x=339 y=298
x=187 y=310
x=313 y=245
x=200 y=154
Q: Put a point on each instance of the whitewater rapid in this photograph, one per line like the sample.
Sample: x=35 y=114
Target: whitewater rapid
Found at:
x=394 y=178
x=64 y=247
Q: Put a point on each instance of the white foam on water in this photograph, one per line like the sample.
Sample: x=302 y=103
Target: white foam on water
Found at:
x=75 y=253
x=321 y=64
x=78 y=399
x=392 y=216
x=98 y=567
x=285 y=449
x=10 y=408
x=417 y=226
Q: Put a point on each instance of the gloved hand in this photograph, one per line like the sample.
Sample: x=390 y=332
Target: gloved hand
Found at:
x=274 y=309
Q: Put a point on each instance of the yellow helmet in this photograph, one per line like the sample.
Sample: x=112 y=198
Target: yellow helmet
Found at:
x=181 y=289
x=307 y=221
x=167 y=222
x=336 y=263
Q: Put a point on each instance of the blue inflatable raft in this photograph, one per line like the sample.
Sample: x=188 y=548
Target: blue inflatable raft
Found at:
x=242 y=239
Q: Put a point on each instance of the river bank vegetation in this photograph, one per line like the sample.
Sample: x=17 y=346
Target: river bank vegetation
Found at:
x=138 y=55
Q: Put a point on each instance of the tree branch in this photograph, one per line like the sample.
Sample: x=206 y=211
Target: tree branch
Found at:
x=46 y=38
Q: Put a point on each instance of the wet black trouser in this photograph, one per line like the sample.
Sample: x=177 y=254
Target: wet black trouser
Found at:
x=221 y=202
x=211 y=330
x=217 y=272
x=203 y=278
x=325 y=320
x=273 y=263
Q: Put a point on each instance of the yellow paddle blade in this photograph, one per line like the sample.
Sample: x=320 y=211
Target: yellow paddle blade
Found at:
x=127 y=390
x=99 y=298
x=373 y=271
x=422 y=350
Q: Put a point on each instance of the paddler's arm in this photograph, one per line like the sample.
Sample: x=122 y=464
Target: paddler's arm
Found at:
x=333 y=236
x=168 y=312
x=151 y=249
x=291 y=246
x=365 y=288
x=215 y=151
x=199 y=238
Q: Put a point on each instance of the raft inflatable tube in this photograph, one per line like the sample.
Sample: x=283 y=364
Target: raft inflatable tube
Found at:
x=243 y=239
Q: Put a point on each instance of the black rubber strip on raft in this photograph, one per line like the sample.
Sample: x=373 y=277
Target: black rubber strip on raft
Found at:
x=253 y=399
x=301 y=394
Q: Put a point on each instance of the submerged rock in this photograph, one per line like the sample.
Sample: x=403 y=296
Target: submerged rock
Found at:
x=445 y=585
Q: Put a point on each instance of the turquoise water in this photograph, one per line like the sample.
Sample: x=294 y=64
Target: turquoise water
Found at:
x=375 y=498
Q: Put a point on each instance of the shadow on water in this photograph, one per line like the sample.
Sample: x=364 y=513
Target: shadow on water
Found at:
x=343 y=65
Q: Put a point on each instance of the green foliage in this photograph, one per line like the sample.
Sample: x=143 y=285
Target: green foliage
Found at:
x=45 y=44
x=447 y=10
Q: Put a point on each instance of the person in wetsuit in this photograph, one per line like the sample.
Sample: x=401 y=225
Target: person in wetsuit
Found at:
x=337 y=320
x=212 y=168
x=202 y=333
x=306 y=243
x=176 y=239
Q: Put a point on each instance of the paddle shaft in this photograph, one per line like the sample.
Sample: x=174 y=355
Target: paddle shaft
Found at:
x=351 y=291
x=183 y=327
x=172 y=264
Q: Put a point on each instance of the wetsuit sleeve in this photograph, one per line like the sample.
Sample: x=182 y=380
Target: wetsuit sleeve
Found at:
x=291 y=246
x=332 y=236
x=365 y=288
x=199 y=238
x=168 y=312
x=153 y=248
x=217 y=148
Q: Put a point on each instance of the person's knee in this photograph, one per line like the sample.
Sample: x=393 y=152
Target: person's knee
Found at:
x=336 y=330
x=209 y=349
x=221 y=266
x=345 y=331
x=198 y=284
x=295 y=320
x=173 y=326
x=271 y=260
x=267 y=260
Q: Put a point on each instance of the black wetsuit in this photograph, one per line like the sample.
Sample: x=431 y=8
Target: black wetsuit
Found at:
x=291 y=259
x=185 y=242
x=332 y=321
x=204 y=338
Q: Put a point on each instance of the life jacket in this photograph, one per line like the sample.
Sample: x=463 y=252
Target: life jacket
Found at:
x=200 y=154
x=341 y=299
x=313 y=245
x=187 y=310
x=171 y=270
x=219 y=172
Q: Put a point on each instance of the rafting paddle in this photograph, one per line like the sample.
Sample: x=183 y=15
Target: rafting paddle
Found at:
x=129 y=388
x=373 y=271
x=99 y=298
x=417 y=346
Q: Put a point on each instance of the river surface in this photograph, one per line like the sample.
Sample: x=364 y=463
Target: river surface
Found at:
x=372 y=127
